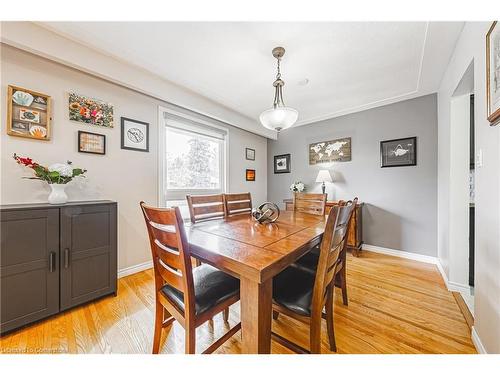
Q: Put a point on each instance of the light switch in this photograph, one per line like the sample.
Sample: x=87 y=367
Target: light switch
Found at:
x=479 y=159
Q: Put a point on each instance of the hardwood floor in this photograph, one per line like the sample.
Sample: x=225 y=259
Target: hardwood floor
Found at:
x=395 y=306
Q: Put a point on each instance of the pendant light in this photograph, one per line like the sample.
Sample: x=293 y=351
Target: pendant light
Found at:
x=280 y=116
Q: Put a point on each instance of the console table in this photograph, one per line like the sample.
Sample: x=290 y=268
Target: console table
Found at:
x=355 y=234
x=55 y=257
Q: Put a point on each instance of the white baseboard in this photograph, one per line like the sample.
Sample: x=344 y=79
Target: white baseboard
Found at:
x=477 y=342
x=457 y=287
x=401 y=254
x=134 y=269
x=443 y=274
x=452 y=286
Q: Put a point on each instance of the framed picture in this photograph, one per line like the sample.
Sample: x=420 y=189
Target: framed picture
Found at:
x=282 y=164
x=135 y=135
x=91 y=143
x=398 y=152
x=329 y=151
x=250 y=174
x=28 y=113
x=249 y=154
x=493 y=73
x=90 y=111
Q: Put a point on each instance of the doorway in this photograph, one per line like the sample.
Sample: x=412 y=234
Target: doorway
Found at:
x=462 y=187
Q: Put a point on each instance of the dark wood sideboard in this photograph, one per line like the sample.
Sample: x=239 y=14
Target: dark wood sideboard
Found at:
x=355 y=235
x=55 y=257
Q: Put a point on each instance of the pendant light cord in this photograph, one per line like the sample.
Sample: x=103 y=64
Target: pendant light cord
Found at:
x=278 y=93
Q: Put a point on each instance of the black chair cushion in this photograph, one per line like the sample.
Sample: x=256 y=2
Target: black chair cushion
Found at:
x=293 y=289
x=308 y=262
x=211 y=287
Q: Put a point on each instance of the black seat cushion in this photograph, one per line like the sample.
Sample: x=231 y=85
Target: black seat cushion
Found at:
x=211 y=287
x=293 y=289
x=308 y=262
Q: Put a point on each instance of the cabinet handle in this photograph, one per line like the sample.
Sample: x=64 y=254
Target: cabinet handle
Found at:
x=66 y=258
x=52 y=261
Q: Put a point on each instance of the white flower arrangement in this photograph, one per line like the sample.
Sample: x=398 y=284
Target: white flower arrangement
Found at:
x=65 y=170
x=297 y=186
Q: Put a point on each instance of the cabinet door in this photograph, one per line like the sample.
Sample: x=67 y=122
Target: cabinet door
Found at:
x=354 y=236
x=29 y=266
x=88 y=253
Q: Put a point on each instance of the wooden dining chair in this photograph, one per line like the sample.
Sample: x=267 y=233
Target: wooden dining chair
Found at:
x=309 y=203
x=303 y=295
x=190 y=296
x=309 y=262
x=341 y=278
x=239 y=203
x=205 y=207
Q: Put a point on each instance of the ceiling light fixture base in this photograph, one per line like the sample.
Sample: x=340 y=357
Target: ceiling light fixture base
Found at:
x=278 y=52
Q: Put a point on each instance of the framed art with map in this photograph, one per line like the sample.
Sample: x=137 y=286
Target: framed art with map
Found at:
x=328 y=151
x=135 y=135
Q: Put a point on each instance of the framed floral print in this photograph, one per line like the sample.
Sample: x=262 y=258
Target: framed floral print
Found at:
x=90 y=111
x=493 y=73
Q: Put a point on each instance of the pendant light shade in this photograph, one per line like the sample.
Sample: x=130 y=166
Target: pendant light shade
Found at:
x=279 y=117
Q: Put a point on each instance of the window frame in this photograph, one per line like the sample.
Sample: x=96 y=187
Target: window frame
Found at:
x=165 y=194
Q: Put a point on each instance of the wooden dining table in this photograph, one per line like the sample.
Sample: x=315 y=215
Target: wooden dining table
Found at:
x=255 y=253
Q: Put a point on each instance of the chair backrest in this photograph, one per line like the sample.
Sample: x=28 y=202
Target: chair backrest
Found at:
x=204 y=207
x=350 y=214
x=354 y=203
x=170 y=251
x=309 y=203
x=239 y=203
x=332 y=244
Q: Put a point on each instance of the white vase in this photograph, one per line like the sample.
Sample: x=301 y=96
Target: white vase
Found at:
x=57 y=194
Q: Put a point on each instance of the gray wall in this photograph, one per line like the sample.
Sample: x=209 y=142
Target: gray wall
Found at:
x=400 y=209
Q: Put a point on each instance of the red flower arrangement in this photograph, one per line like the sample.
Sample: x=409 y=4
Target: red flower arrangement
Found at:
x=25 y=161
x=55 y=174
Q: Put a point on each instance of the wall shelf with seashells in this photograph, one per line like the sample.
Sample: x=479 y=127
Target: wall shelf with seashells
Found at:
x=28 y=113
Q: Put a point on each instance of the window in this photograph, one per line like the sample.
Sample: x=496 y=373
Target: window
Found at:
x=193 y=161
x=192 y=158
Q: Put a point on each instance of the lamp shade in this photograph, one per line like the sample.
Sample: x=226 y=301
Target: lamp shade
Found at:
x=324 y=176
x=279 y=118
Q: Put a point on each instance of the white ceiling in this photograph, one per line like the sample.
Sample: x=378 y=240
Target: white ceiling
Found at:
x=350 y=66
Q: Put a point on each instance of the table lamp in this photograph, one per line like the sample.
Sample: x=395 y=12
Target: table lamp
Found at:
x=323 y=176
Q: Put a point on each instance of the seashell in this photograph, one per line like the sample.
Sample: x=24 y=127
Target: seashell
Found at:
x=22 y=98
x=38 y=131
x=40 y=100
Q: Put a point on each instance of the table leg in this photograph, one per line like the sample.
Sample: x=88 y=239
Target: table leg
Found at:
x=256 y=309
